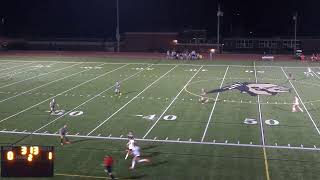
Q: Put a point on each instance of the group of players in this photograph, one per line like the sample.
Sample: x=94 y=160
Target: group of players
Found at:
x=132 y=148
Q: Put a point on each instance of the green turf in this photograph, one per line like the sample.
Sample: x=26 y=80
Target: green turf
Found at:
x=159 y=103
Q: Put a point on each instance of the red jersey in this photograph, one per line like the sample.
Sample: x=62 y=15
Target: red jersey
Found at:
x=108 y=161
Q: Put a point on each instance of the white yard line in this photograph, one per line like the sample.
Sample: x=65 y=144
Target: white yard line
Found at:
x=85 y=102
x=15 y=67
x=107 y=119
x=3 y=100
x=61 y=93
x=160 y=117
x=314 y=124
x=214 y=105
x=259 y=108
x=38 y=76
x=167 y=141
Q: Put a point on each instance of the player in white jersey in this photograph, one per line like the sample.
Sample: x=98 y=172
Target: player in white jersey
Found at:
x=136 y=157
x=53 y=104
x=296 y=105
x=130 y=146
x=117 y=88
x=203 y=96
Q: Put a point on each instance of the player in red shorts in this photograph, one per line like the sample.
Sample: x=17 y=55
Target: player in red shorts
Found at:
x=108 y=163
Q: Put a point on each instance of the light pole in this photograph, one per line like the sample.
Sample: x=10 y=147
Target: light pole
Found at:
x=219 y=14
x=118 y=27
x=295 y=18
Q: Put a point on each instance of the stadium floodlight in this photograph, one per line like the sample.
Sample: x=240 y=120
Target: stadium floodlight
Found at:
x=219 y=14
x=212 y=50
x=175 y=41
x=295 y=19
x=118 y=28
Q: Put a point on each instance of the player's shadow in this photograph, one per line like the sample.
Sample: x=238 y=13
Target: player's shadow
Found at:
x=153 y=154
x=150 y=147
x=135 y=176
x=158 y=163
x=126 y=93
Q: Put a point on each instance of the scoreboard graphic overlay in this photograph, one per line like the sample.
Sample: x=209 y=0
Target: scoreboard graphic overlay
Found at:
x=27 y=161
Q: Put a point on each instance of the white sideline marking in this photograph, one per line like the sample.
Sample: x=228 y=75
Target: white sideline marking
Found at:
x=15 y=66
x=259 y=108
x=30 y=107
x=131 y=100
x=38 y=76
x=97 y=95
x=3 y=100
x=214 y=105
x=174 y=99
x=213 y=65
x=314 y=148
x=314 y=124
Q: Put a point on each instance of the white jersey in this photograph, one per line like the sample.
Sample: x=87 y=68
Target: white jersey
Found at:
x=52 y=104
x=136 y=151
x=296 y=101
x=130 y=144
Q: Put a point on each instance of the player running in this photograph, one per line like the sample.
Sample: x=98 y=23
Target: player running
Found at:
x=136 y=157
x=53 y=104
x=117 y=88
x=203 y=96
x=296 y=105
x=130 y=144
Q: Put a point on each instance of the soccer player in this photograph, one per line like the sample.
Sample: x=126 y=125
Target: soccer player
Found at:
x=108 y=163
x=130 y=144
x=63 y=137
x=296 y=105
x=203 y=96
x=136 y=157
x=117 y=88
x=53 y=104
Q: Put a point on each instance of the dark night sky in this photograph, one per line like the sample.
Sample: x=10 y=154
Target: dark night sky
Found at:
x=97 y=18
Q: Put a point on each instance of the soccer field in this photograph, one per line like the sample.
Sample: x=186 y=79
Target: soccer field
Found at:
x=246 y=131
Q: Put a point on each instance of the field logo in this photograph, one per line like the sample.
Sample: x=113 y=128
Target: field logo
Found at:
x=254 y=89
